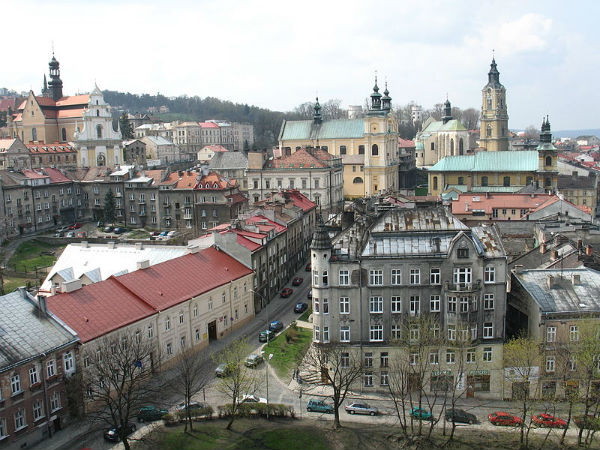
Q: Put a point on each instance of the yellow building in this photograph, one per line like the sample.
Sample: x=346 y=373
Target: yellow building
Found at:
x=368 y=146
x=494 y=113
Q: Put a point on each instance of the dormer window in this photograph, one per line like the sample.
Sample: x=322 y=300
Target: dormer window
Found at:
x=462 y=252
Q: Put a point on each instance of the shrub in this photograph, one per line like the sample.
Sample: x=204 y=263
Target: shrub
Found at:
x=258 y=410
x=170 y=420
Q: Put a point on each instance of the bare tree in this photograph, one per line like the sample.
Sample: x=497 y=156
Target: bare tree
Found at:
x=117 y=379
x=470 y=118
x=531 y=132
x=237 y=379
x=189 y=377
x=332 y=109
x=522 y=361
x=338 y=366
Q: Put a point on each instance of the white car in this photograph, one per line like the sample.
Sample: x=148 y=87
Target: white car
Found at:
x=251 y=398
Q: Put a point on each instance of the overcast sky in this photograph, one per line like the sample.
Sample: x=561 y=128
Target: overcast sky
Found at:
x=278 y=54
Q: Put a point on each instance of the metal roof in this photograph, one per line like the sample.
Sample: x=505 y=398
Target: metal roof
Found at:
x=425 y=219
x=510 y=161
x=328 y=129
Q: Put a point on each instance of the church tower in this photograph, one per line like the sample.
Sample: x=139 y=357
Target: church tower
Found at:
x=494 y=115
x=55 y=84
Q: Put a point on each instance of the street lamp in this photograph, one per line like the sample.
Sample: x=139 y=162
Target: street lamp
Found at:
x=267 y=375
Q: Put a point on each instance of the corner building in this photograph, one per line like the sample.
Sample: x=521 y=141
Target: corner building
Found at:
x=375 y=279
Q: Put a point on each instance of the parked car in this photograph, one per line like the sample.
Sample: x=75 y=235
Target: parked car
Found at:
x=119 y=230
x=309 y=295
x=307 y=268
x=150 y=413
x=300 y=307
x=588 y=422
x=81 y=234
x=361 y=408
x=266 y=335
x=171 y=233
x=107 y=229
x=114 y=434
x=75 y=226
x=460 y=416
x=192 y=406
x=251 y=398
x=504 y=419
x=163 y=233
x=223 y=370
x=70 y=234
x=297 y=281
x=155 y=233
x=420 y=413
x=275 y=326
x=548 y=421
x=319 y=406
x=286 y=292
x=62 y=229
x=254 y=360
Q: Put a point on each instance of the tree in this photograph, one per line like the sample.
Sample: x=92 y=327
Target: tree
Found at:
x=116 y=378
x=532 y=133
x=109 y=207
x=338 y=366
x=522 y=361
x=189 y=377
x=126 y=128
x=238 y=379
x=470 y=118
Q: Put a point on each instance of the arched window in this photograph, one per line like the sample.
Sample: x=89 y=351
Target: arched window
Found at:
x=99 y=131
x=484 y=181
x=361 y=149
x=101 y=160
x=34 y=134
x=461 y=147
x=548 y=160
x=489 y=102
x=97 y=113
x=433 y=146
x=547 y=182
x=488 y=131
x=506 y=181
x=63 y=133
x=451 y=147
x=357 y=180
x=342 y=149
x=435 y=183
x=374 y=150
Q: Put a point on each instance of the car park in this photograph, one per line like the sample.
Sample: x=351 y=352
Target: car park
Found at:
x=286 y=292
x=223 y=370
x=420 y=413
x=253 y=360
x=275 y=326
x=251 y=398
x=504 y=419
x=361 y=408
x=150 y=413
x=297 y=281
x=266 y=335
x=548 y=421
x=300 y=307
x=460 y=416
x=319 y=406
x=114 y=434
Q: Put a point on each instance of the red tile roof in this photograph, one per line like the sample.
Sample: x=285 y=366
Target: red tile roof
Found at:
x=208 y=125
x=301 y=159
x=265 y=224
x=466 y=203
x=405 y=143
x=56 y=147
x=214 y=181
x=299 y=199
x=33 y=174
x=216 y=148
x=6 y=103
x=56 y=176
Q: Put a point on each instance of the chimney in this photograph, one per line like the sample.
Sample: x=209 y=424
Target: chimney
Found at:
x=23 y=292
x=193 y=249
x=42 y=305
x=518 y=268
x=144 y=264
x=543 y=248
x=579 y=244
x=576 y=279
x=139 y=246
x=550 y=281
x=589 y=250
x=554 y=255
x=70 y=286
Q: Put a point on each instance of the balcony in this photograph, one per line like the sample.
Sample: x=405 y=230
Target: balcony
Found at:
x=462 y=287
x=188 y=216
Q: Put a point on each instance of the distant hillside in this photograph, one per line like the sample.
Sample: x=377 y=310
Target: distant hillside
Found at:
x=266 y=123
x=576 y=133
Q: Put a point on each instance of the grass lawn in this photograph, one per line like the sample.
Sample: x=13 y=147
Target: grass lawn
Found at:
x=12 y=283
x=305 y=315
x=287 y=352
x=138 y=234
x=30 y=254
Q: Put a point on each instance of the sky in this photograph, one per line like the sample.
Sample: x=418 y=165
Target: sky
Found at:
x=279 y=54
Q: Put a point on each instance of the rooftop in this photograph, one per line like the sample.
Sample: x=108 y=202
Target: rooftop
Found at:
x=521 y=161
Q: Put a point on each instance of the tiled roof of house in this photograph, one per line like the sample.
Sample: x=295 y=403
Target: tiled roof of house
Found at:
x=467 y=203
x=264 y=224
x=300 y=159
x=53 y=148
x=228 y=160
x=208 y=125
x=405 y=143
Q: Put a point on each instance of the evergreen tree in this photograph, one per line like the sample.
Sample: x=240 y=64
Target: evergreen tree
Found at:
x=126 y=128
x=109 y=207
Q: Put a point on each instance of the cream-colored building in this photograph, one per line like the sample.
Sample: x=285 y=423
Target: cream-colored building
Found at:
x=368 y=146
x=494 y=131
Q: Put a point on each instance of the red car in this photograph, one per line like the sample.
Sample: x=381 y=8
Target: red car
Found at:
x=297 y=281
x=75 y=226
x=307 y=267
x=504 y=419
x=548 y=421
x=286 y=292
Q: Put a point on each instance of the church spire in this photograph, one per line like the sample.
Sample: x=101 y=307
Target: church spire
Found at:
x=386 y=100
x=546 y=134
x=45 y=87
x=55 y=85
x=493 y=74
x=375 y=97
x=317 y=116
x=447 y=111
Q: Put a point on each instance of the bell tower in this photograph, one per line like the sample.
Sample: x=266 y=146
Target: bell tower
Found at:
x=55 y=84
x=494 y=114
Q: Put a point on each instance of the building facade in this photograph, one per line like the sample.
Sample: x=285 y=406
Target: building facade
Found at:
x=494 y=133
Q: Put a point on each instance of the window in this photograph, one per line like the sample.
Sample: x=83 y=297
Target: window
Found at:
x=435 y=276
x=361 y=149
x=316 y=305
x=462 y=252
x=357 y=180
x=3 y=428
x=470 y=356
x=368 y=379
x=414 y=333
x=38 y=410
x=506 y=181
x=461 y=180
x=395 y=332
x=374 y=150
x=415 y=276
x=345 y=360
x=325 y=306
x=384 y=378
x=54 y=401
x=69 y=362
x=488 y=330
x=435 y=182
x=325 y=334
x=484 y=181
x=450 y=356
x=376 y=277
x=169 y=349
x=344 y=278
x=342 y=149
x=434 y=303
x=415 y=302
x=317 y=333
x=573 y=333
x=396 y=276
x=550 y=363
x=33 y=375
x=344 y=305
x=550 y=334
x=50 y=368
x=376 y=304
x=368 y=359
x=15 y=384
x=150 y=330
x=413 y=358
x=344 y=333
x=99 y=131
x=376 y=333
x=20 y=419
x=396 y=304
x=488 y=301
x=464 y=304
x=474 y=332
x=316 y=277
x=181 y=318
x=489 y=274
x=487 y=354
x=384 y=359
x=434 y=358
x=452 y=303
x=451 y=332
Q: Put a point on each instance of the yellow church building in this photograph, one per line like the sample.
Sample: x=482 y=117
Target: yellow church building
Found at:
x=368 y=146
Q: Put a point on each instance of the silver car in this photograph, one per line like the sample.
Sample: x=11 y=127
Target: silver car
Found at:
x=361 y=408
